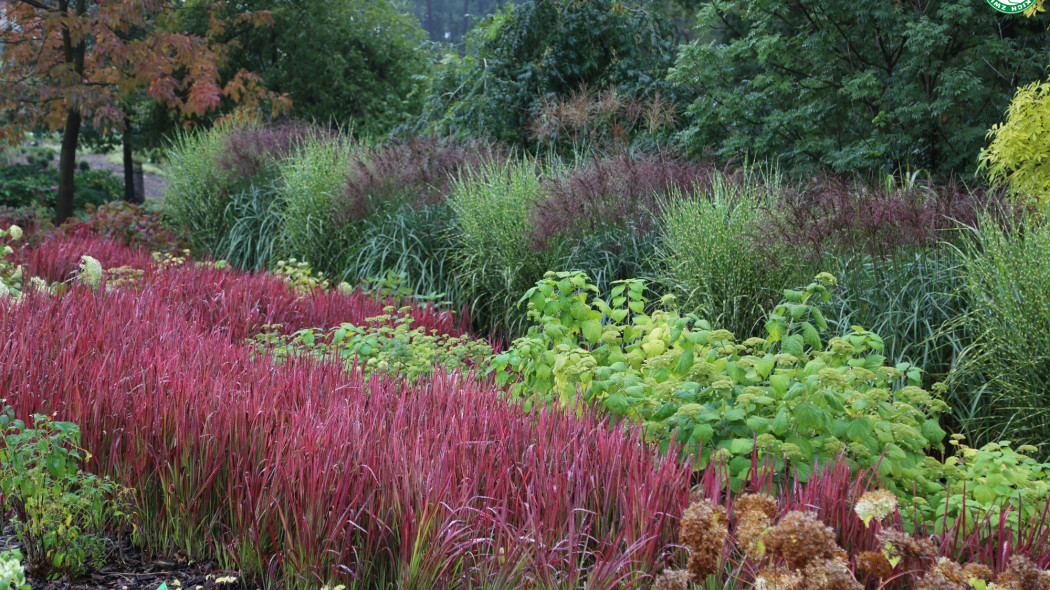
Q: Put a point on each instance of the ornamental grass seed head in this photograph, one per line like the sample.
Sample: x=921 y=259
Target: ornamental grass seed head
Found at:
x=672 y=580
x=1023 y=574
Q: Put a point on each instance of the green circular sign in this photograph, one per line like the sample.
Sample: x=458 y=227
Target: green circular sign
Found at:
x=1011 y=6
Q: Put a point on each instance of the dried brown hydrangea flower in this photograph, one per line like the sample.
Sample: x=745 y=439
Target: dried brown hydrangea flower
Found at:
x=828 y=574
x=778 y=578
x=913 y=553
x=1022 y=574
x=800 y=538
x=875 y=564
x=704 y=532
x=944 y=575
x=754 y=514
x=672 y=580
x=977 y=570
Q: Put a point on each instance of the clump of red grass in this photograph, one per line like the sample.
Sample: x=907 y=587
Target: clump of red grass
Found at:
x=238 y=302
x=251 y=150
x=832 y=214
x=415 y=172
x=618 y=190
x=305 y=474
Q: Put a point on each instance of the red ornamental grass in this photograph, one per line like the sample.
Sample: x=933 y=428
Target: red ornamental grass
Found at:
x=235 y=301
x=305 y=474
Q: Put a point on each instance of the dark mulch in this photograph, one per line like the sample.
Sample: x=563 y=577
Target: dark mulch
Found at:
x=132 y=569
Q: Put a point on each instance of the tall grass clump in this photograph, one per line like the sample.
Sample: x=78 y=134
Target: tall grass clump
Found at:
x=1001 y=381
x=197 y=190
x=709 y=258
x=416 y=172
x=309 y=186
x=216 y=176
x=492 y=209
x=890 y=245
x=907 y=298
x=411 y=246
x=621 y=189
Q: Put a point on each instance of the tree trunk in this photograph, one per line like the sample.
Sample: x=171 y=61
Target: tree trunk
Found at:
x=129 y=166
x=67 y=165
x=67 y=161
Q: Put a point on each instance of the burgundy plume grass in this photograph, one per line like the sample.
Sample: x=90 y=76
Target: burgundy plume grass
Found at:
x=304 y=474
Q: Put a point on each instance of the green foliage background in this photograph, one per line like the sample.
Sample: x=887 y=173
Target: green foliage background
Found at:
x=855 y=86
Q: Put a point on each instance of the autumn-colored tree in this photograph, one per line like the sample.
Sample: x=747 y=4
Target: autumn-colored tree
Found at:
x=64 y=62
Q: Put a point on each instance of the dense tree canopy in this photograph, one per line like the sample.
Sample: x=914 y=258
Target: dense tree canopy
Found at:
x=539 y=50
x=70 y=61
x=352 y=62
x=855 y=85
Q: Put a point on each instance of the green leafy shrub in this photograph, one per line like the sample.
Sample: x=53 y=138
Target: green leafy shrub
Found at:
x=1014 y=156
x=788 y=396
x=25 y=185
x=765 y=73
x=300 y=276
x=994 y=480
x=386 y=344
x=709 y=261
x=530 y=52
x=61 y=512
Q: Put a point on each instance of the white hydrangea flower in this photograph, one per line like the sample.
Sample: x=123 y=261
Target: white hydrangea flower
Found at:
x=15 y=232
x=4 y=291
x=877 y=504
x=345 y=289
x=90 y=271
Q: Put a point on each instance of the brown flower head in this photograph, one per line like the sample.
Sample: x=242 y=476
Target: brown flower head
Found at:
x=874 y=564
x=754 y=514
x=944 y=575
x=778 y=578
x=977 y=570
x=703 y=532
x=672 y=580
x=913 y=553
x=800 y=538
x=828 y=574
x=1023 y=574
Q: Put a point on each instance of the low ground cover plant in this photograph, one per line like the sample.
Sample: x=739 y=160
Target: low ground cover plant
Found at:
x=388 y=344
x=60 y=513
